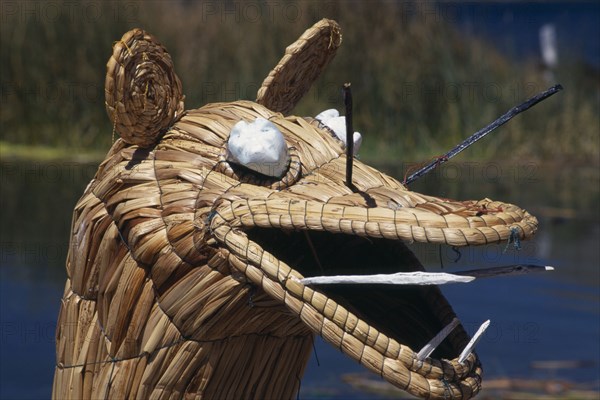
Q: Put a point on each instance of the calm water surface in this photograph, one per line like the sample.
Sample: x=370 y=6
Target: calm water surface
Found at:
x=553 y=316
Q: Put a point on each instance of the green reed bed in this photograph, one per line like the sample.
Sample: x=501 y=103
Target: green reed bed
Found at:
x=419 y=85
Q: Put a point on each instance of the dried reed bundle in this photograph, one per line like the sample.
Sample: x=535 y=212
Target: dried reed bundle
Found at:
x=184 y=270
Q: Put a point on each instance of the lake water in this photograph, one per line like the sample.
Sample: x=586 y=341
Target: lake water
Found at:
x=546 y=317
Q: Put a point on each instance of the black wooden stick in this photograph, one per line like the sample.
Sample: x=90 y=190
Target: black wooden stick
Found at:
x=349 y=134
x=482 y=132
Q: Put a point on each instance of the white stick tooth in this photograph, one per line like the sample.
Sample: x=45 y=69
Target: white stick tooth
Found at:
x=471 y=345
x=400 y=278
x=437 y=339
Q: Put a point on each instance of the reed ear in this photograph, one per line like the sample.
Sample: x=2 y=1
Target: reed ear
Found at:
x=300 y=66
x=144 y=96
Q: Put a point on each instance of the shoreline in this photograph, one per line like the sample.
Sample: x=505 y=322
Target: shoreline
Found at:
x=20 y=152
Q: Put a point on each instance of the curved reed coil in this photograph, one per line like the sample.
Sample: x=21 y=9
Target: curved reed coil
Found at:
x=300 y=67
x=143 y=94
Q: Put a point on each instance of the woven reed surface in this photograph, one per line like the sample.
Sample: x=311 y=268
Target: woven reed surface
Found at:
x=130 y=329
x=143 y=93
x=168 y=295
x=161 y=267
x=302 y=63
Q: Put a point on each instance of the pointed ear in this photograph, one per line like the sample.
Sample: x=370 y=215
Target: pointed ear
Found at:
x=300 y=66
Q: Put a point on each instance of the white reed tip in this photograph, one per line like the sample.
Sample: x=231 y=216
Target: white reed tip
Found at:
x=471 y=345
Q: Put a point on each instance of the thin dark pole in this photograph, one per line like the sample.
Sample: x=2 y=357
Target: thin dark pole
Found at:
x=349 y=134
x=483 y=132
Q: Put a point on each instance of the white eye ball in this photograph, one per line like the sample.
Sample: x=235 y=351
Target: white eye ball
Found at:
x=259 y=146
x=331 y=118
x=326 y=115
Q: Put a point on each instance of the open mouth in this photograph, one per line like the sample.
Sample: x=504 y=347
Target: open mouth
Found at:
x=404 y=313
x=383 y=327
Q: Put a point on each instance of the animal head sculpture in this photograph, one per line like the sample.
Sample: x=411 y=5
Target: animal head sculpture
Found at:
x=185 y=269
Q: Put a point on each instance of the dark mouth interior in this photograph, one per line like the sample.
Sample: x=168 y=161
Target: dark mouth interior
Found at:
x=401 y=312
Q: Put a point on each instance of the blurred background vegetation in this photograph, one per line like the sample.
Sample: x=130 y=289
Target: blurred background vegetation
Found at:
x=420 y=83
x=424 y=76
